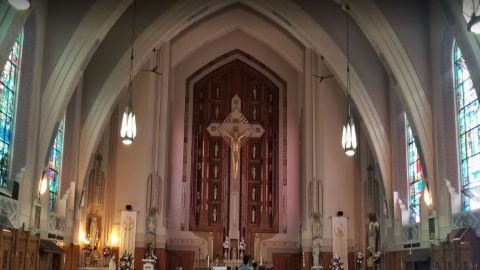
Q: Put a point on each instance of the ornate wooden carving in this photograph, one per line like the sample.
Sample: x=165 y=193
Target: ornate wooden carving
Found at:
x=210 y=167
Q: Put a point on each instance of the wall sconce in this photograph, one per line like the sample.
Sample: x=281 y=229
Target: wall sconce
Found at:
x=82 y=237
x=43 y=185
x=113 y=238
x=427 y=195
x=20 y=4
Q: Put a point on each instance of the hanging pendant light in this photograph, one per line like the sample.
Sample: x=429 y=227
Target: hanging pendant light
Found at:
x=349 y=135
x=128 y=130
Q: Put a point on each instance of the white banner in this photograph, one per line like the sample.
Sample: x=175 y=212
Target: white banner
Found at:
x=339 y=239
x=128 y=228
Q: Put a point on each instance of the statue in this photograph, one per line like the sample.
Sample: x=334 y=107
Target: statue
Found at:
x=254 y=173
x=226 y=247
x=217 y=92
x=93 y=226
x=234 y=253
x=215 y=171
x=373 y=233
x=217 y=111
x=254 y=215
x=150 y=253
x=151 y=222
x=112 y=265
x=235 y=142
x=254 y=93
x=254 y=196
x=241 y=247
x=215 y=191
x=214 y=214
x=254 y=113
x=215 y=149
x=254 y=151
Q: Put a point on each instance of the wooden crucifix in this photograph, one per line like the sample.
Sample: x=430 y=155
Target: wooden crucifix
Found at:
x=235 y=130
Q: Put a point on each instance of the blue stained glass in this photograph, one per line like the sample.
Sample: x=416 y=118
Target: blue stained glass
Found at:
x=468 y=125
x=414 y=173
x=8 y=88
x=55 y=166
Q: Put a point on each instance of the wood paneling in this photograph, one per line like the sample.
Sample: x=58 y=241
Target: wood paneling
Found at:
x=138 y=256
x=286 y=261
x=160 y=253
x=177 y=258
x=210 y=163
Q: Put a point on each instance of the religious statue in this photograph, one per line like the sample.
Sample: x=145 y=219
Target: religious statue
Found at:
x=217 y=92
x=241 y=247
x=215 y=171
x=254 y=112
x=254 y=196
x=226 y=247
x=150 y=252
x=217 y=111
x=254 y=214
x=215 y=191
x=254 y=173
x=373 y=233
x=234 y=253
x=214 y=214
x=254 y=93
x=112 y=265
x=254 y=151
x=93 y=226
x=151 y=221
x=235 y=141
x=215 y=152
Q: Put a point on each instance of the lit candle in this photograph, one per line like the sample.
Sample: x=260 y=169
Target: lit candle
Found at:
x=261 y=261
x=208 y=260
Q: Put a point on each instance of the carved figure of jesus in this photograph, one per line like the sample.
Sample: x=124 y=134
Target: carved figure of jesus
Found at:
x=254 y=196
x=215 y=171
x=215 y=191
x=216 y=149
x=254 y=173
x=214 y=214
x=254 y=151
x=235 y=141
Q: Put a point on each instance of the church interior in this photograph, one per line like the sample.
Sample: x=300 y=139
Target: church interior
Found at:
x=294 y=134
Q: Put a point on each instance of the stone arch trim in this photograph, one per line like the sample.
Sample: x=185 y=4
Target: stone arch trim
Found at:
x=165 y=28
x=69 y=68
x=385 y=41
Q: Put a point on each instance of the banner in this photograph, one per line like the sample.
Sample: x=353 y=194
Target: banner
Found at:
x=339 y=239
x=128 y=228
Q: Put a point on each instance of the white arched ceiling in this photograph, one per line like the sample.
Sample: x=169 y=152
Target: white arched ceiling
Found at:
x=302 y=28
x=384 y=39
x=68 y=69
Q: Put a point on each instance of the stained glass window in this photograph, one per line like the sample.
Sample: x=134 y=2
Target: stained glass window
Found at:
x=414 y=174
x=8 y=90
x=55 y=166
x=468 y=125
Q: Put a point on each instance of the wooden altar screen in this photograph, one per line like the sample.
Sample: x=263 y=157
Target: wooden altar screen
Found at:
x=210 y=167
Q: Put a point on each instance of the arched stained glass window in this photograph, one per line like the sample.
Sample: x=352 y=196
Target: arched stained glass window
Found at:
x=468 y=128
x=414 y=175
x=8 y=90
x=55 y=166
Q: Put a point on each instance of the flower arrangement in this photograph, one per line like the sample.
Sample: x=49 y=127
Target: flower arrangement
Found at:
x=336 y=263
x=88 y=249
x=126 y=261
x=106 y=252
x=377 y=257
x=359 y=259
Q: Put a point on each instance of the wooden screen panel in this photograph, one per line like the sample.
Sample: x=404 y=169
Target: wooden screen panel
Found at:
x=7 y=238
x=286 y=261
x=176 y=258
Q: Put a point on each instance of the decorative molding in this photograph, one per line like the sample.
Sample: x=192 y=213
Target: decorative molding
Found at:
x=467 y=219
x=9 y=208
x=411 y=233
x=56 y=225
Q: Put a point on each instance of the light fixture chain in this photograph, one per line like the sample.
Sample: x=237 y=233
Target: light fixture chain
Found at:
x=131 y=52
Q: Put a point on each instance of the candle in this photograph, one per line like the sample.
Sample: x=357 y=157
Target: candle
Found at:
x=261 y=261
x=208 y=260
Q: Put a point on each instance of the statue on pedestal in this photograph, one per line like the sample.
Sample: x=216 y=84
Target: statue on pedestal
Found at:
x=373 y=233
x=226 y=247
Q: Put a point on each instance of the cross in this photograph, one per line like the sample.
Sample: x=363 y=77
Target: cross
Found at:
x=235 y=130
